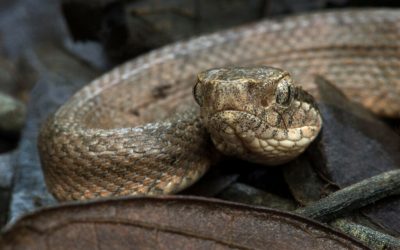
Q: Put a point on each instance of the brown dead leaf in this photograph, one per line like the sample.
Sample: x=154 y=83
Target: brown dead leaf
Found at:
x=169 y=223
x=355 y=145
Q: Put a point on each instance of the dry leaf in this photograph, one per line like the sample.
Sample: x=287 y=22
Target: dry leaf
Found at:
x=169 y=223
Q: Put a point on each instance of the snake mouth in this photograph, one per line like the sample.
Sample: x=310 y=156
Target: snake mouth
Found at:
x=231 y=110
x=256 y=114
x=241 y=134
x=228 y=120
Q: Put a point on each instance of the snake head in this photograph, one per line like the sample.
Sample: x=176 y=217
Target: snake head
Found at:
x=257 y=113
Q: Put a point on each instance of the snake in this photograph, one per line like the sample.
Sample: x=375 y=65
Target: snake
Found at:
x=154 y=125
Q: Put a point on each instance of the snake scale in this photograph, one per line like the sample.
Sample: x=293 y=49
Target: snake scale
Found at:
x=136 y=130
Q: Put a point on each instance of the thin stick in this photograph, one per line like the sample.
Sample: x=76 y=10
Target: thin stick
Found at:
x=373 y=239
x=353 y=197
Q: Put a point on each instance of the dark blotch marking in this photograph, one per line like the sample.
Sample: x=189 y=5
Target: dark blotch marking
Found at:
x=134 y=112
x=161 y=92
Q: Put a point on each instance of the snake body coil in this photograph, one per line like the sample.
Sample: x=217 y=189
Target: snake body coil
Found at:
x=118 y=136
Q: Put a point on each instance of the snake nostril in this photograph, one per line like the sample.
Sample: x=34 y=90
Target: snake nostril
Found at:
x=229 y=106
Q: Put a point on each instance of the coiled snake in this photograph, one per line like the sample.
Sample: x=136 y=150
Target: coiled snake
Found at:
x=137 y=129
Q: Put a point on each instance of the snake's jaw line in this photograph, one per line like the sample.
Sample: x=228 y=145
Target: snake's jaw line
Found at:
x=257 y=114
x=242 y=135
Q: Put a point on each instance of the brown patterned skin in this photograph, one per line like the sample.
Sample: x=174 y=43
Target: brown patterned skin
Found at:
x=256 y=113
x=108 y=139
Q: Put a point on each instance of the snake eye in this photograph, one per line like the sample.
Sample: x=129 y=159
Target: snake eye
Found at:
x=283 y=93
x=197 y=94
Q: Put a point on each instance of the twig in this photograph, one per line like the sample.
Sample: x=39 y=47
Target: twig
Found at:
x=373 y=239
x=353 y=197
